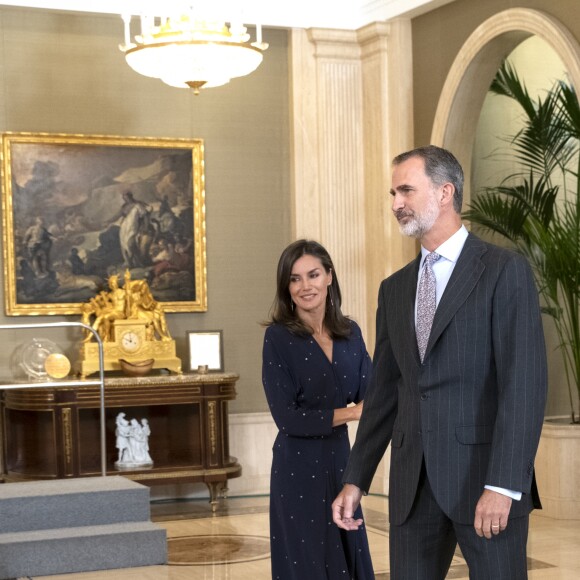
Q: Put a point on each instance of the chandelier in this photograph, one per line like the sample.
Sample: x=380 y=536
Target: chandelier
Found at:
x=188 y=51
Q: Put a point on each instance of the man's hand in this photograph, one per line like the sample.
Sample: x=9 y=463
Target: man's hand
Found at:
x=491 y=513
x=344 y=506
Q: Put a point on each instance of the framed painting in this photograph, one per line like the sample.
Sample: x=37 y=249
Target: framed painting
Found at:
x=77 y=209
x=206 y=350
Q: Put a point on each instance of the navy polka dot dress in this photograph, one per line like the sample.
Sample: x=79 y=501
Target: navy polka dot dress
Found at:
x=309 y=456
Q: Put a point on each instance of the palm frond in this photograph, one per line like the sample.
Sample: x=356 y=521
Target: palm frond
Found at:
x=497 y=214
x=570 y=113
x=507 y=83
x=545 y=142
x=531 y=199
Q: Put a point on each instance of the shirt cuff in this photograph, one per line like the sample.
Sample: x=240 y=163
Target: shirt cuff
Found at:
x=517 y=495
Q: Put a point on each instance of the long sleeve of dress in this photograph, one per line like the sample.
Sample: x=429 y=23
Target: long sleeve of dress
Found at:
x=285 y=393
x=366 y=367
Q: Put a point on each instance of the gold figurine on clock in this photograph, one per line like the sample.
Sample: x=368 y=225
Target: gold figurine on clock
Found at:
x=131 y=325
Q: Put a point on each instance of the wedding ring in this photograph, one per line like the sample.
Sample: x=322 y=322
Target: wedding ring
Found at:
x=495 y=527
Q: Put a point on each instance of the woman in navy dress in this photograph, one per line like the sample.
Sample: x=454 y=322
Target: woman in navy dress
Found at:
x=315 y=363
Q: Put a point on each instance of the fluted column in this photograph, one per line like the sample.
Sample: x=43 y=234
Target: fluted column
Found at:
x=351 y=108
x=387 y=73
x=328 y=148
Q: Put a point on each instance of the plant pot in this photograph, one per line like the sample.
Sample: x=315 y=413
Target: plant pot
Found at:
x=558 y=469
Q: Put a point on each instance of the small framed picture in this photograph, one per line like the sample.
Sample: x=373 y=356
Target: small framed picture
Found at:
x=206 y=351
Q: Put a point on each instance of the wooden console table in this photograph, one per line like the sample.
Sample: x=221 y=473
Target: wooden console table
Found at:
x=53 y=433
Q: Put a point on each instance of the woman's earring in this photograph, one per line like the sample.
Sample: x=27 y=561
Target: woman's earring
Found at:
x=330 y=294
x=292 y=305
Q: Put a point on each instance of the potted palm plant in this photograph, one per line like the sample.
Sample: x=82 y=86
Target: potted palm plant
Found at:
x=536 y=209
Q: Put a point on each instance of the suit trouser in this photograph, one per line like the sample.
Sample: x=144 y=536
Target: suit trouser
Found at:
x=422 y=548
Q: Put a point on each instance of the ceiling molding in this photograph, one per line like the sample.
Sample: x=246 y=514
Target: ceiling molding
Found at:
x=341 y=14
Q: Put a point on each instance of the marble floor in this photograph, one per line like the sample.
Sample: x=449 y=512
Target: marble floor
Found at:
x=232 y=544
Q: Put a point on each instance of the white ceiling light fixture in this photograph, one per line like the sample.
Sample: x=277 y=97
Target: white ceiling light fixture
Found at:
x=192 y=49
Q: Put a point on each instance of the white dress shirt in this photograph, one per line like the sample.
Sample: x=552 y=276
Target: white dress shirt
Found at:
x=449 y=251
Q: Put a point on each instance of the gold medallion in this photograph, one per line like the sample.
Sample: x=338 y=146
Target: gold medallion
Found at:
x=57 y=366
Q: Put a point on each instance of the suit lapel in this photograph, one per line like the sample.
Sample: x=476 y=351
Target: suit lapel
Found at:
x=465 y=276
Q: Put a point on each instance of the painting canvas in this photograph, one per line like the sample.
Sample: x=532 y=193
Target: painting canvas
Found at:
x=77 y=209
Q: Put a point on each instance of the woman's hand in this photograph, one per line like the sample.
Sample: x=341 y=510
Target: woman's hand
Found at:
x=346 y=414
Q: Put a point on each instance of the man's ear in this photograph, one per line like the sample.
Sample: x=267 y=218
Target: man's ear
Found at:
x=446 y=194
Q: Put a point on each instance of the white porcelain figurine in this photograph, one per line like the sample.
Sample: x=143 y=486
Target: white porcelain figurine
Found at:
x=132 y=443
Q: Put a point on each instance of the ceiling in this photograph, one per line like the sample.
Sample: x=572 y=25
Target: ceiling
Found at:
x=343 y=14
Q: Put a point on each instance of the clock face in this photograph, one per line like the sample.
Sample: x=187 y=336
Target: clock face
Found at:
x=130 y=341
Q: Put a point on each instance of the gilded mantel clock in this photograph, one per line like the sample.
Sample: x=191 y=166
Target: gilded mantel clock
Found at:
x=131 y=325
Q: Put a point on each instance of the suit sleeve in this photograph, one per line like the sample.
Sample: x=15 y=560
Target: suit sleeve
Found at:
x=379 y=411
x=282 y=392
x=520 y=357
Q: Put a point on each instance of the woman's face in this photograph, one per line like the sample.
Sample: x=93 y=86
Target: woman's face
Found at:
x=309 y=283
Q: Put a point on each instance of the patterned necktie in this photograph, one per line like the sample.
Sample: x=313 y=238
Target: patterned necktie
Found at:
x=426 y=303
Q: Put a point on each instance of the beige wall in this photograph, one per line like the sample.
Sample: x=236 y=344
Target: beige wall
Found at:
x=437 y=40
x=63 y=73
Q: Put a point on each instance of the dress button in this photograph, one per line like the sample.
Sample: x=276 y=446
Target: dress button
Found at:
x=424 y=397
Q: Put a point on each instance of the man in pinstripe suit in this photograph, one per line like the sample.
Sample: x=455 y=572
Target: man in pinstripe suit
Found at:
x=464 y=420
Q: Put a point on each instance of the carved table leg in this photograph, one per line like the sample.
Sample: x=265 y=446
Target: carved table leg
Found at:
x=215 y=489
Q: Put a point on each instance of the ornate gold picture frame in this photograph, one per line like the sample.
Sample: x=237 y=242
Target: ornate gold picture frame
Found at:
x=79 y=208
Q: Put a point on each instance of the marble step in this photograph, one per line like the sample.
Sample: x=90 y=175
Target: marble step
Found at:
x=81 y=549
x=63 y=503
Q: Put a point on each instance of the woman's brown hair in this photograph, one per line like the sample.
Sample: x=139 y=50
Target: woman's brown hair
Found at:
x=283 y=312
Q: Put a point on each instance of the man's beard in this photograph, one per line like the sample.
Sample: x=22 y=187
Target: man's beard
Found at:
x=418 y=224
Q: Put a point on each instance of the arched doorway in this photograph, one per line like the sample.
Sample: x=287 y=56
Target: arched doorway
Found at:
x=476 y=64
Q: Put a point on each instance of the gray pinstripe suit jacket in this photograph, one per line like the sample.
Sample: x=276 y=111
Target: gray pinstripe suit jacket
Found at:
x=474 y=408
